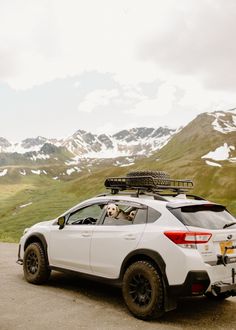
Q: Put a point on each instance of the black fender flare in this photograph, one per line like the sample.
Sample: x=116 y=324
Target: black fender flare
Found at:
x=37 y=237
x=144 y=254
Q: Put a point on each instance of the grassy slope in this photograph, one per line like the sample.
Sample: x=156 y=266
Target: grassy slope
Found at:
x=50 y=198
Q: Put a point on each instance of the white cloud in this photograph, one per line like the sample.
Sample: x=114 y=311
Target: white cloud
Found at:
x=198 y=42
x=184 y=50
x=98 y=98
x=161 y=104
x=48 y=40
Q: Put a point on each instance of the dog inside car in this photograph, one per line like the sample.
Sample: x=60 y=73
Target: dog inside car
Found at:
x=113 y=211
x=132 y=215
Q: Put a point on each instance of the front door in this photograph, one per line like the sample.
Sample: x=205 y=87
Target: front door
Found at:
x=69 y=247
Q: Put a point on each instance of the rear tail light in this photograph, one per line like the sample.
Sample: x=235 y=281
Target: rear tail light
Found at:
x=188 y=237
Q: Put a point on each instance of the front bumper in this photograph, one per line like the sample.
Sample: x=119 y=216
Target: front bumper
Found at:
x=19 y=259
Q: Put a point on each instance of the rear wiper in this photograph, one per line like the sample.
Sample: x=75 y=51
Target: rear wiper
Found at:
x=229 y=224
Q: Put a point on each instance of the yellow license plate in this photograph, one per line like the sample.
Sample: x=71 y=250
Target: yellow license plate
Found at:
x=226 y=244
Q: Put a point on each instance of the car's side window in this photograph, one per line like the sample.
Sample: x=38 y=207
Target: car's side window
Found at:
x=140 y=216
x=87 y=215
x=153 y=215
x=124 y=214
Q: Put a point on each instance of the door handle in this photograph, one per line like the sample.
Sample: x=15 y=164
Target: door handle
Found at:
x=86 y=234
x=130 y=237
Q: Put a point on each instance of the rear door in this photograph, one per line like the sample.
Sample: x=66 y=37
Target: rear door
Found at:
x=114 y=239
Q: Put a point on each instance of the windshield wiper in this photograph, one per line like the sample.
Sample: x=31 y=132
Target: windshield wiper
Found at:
x=229 y=224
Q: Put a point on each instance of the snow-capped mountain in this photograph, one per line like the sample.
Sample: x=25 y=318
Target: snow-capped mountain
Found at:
x=136 y=141
x=209 y=138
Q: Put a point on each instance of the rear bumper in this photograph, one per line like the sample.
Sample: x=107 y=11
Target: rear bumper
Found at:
x=221 y=287
x=196 y=283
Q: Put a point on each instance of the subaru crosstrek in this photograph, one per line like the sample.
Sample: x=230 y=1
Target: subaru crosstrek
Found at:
x=158 y=244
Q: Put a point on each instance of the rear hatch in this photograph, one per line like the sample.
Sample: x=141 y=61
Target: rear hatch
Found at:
x=214 y=219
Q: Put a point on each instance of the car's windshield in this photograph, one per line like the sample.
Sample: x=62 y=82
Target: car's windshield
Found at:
x=208 y=216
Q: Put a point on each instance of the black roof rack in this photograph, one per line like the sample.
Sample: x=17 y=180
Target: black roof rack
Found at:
x=147 y=184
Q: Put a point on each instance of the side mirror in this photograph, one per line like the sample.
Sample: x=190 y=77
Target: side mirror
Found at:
x=61 y=222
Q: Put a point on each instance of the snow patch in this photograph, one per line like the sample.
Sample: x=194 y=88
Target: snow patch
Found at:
x=73 y=161
x=213 y=164
x=70 y=171
x=220 y=153
x=125 y=165
x=39 y=156
x=25 y=205
x=36 y=172
x=4 y=172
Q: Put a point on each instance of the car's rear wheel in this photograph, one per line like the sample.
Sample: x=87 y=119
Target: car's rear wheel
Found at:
x=143 y=290
x=35 y=264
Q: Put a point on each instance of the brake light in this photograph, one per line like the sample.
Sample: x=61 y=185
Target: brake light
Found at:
x=188 y=237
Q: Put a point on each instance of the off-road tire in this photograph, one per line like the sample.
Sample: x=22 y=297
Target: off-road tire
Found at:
x=160 y=177
x=35 y=264
x=142 y=290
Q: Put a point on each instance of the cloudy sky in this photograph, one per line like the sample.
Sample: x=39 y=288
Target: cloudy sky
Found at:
x=108 y=65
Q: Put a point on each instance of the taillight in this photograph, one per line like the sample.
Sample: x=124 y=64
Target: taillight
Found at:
x=188 y=237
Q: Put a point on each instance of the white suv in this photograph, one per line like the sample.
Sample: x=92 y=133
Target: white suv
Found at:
x=160 y=244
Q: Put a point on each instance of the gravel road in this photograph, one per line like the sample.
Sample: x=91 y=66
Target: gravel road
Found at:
x=68 y=302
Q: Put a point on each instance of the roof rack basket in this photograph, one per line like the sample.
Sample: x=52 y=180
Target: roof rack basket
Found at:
x=147 y=184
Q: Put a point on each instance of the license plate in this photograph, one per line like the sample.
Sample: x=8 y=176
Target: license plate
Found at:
x=226 y=244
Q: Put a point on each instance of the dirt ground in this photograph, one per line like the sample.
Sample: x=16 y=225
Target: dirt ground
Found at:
x=69 y=302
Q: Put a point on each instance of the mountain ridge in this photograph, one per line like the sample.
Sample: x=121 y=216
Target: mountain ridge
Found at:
x=87 y=144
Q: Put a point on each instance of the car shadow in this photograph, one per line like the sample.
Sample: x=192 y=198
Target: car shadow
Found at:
x=191 y=312
x=95 y=290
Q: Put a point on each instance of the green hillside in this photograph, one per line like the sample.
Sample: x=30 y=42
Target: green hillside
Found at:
x=46 y=198
x=49 y=198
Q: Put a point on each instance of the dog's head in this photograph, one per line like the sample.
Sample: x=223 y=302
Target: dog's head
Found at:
x=132 y=215
x=112 y=210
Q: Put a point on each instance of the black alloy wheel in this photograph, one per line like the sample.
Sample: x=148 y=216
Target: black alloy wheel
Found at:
x=35 y=264
x=143 y=290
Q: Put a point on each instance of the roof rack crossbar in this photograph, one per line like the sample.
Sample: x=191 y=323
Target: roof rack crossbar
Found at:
x=147 y=183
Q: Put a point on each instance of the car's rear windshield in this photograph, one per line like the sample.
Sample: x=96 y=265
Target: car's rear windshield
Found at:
x=208 y=216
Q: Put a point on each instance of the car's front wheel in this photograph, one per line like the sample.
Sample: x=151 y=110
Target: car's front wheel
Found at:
x=143 y=290
x=35 y=264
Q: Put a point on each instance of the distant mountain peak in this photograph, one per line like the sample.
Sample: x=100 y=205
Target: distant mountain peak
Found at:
x=225 y=121
x=128 y=142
